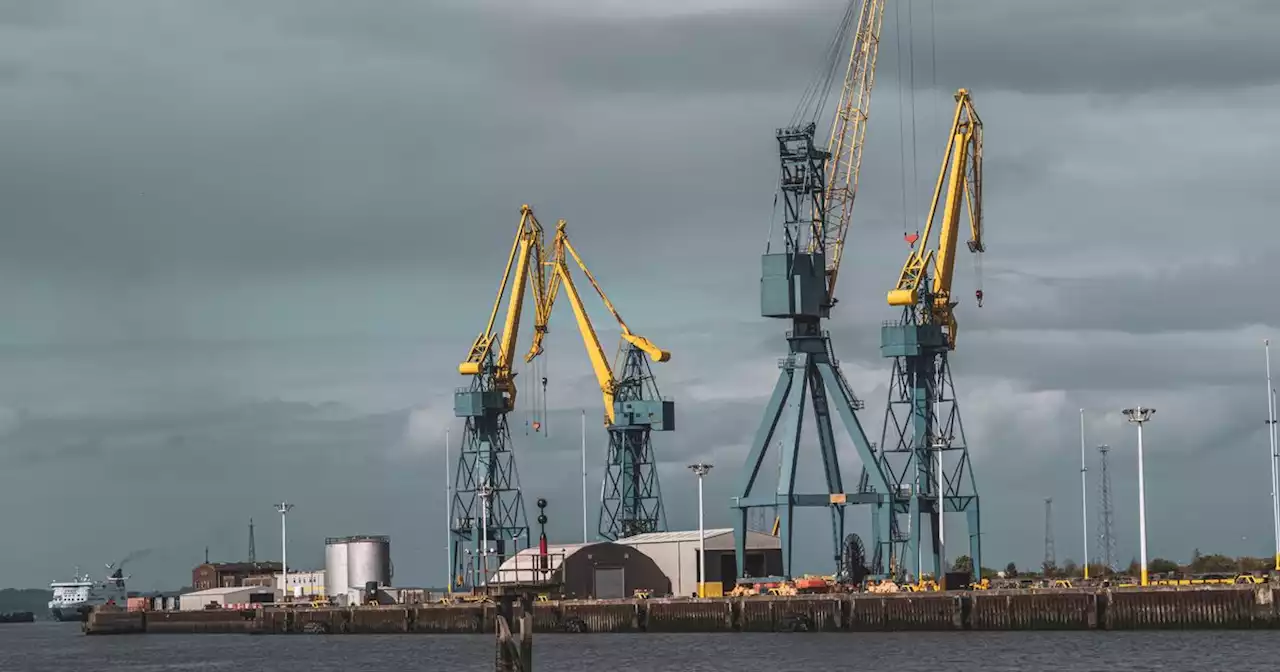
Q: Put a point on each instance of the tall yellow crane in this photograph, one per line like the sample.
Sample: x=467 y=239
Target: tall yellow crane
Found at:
x=488 y=509
x=922 y=421
x=631 y=500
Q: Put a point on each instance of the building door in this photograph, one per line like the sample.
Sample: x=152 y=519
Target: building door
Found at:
x=728 y=572
x=610 y=583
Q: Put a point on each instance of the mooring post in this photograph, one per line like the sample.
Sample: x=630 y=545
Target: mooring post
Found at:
x=526 y=632
x=513 y=656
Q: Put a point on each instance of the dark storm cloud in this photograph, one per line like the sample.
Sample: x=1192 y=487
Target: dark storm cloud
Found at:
x=1209 y=296
x=1113 y=48
x=311 y=171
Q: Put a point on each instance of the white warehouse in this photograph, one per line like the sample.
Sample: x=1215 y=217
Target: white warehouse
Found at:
x=225 y=597
x=676 y=554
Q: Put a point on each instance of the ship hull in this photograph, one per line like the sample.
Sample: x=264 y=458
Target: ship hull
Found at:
x=70 y=613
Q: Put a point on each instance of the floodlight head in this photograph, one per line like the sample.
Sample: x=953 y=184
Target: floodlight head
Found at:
x=700 y=468
x=1139 y=415
x=284 y=507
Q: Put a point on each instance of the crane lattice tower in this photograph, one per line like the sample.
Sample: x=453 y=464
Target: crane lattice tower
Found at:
x=797 y=284
x=1050 y=555
x=632 y=499
x=1106 y=513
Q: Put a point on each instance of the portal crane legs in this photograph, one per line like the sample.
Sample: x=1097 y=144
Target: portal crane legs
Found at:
x=793 y=285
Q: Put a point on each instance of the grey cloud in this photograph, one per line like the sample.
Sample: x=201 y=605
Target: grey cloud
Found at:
x=235 y=258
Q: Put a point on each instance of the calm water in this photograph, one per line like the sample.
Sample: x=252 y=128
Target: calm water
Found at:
x=46 y=647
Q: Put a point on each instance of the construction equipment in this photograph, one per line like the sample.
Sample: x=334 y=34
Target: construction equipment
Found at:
x=631 y=498
x=488 y=509
x=798 y=285
x=922 y=420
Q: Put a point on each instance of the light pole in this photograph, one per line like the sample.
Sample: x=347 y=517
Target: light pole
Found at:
x=284 y=508
x=701 y=469
x=1275 y=475
x=448 y=514
x=1138 y=416
x=1084 y=497
x=485 y=491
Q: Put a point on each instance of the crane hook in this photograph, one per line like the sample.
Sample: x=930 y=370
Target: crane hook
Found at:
x=978 y=295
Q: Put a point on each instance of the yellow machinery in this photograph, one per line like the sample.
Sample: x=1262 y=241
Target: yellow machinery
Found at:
x=488 y=512
x=526 y=257
x=562 y=251
x=633 y=407
x=962 y=173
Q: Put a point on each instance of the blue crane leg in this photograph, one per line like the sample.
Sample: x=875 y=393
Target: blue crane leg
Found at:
x=975 y=538
x=764 y=434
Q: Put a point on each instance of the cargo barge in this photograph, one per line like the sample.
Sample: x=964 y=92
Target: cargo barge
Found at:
x=1228 y=607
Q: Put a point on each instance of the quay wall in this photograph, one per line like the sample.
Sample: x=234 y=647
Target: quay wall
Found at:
x=1245 y=607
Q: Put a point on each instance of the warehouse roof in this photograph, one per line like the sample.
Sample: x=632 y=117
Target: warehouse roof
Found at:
x=718 y=539
x=668 y=537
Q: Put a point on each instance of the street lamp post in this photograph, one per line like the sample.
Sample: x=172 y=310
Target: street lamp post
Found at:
x=1275 y=475
x=1084 y=498
x=701 y=469
x=1138 y=416
x=284 y=508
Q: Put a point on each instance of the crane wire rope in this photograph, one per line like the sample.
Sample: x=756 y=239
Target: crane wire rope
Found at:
x=815 y=96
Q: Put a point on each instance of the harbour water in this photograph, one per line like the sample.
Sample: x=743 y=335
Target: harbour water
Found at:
x=60 y=646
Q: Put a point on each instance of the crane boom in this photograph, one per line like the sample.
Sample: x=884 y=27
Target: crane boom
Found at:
x=526 y=257
x=962 y=172
x=848 y=130
x=562 y=250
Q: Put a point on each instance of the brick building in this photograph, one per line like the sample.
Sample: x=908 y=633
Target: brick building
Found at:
x=232 y=574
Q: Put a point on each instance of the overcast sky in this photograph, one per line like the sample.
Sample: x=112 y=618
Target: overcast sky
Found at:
x=244 y=245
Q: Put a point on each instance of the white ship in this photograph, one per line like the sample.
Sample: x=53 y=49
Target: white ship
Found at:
x=73 y=600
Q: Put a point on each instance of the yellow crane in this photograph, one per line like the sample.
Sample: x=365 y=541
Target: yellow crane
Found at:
x=632 y=406
x=487 y=509
x=922 y=419
x=526 y=257
x=962 y=172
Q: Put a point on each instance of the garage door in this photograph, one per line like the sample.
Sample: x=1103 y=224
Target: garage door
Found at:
x=610 y=583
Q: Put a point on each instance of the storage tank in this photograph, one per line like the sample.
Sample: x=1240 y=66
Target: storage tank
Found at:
x=335 y=566
x=368 y=559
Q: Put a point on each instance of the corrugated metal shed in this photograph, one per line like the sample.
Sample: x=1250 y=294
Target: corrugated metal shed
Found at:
x=601 y=569
x=222 y=596
x=676 y=554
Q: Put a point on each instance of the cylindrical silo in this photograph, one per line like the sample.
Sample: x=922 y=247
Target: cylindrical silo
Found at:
x=335 y=566
x=368 y=559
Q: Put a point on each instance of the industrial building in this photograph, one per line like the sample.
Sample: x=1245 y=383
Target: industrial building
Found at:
x=352 y=563
x=601 y=570
x=301 y=583
x=231 y=574
x=226 y=596
x=676 y=554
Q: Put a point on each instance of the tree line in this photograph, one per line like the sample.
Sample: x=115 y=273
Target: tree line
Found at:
x=1213 y=563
